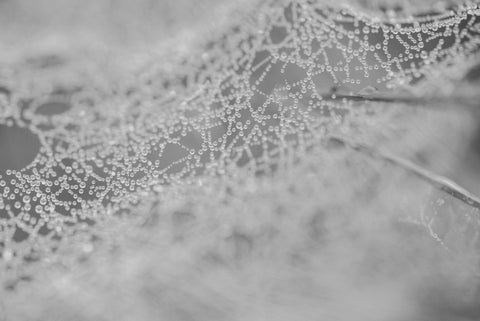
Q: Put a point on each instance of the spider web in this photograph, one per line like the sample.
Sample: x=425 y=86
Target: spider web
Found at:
x=235 y=128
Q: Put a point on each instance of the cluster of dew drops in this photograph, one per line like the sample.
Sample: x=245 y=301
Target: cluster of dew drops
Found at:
x=264 y=90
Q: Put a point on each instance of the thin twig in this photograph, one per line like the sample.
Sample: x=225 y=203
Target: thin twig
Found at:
x=440 y=182
x=469 y=101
